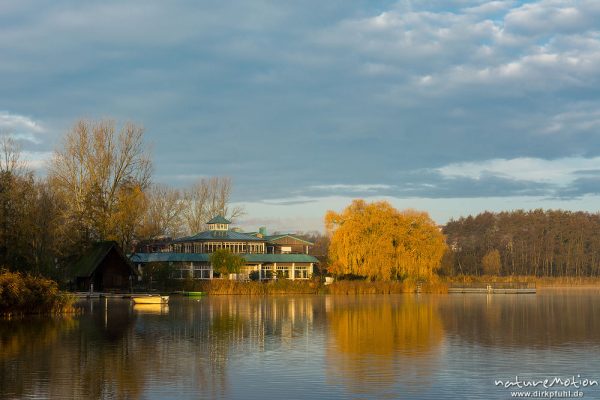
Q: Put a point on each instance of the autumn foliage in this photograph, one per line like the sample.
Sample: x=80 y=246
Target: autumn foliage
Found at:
x=377 y=241
x=26 y=294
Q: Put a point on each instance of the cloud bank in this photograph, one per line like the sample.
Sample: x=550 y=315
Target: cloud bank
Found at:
x=407 y=99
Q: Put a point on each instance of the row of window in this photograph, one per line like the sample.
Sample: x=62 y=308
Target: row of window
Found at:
x=209 y=247
x=202 y=271
x=218 y=227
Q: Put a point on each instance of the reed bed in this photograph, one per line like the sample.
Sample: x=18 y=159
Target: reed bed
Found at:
x=284 y=286
x=540 y=281
x=25 y=294
x=385 y=287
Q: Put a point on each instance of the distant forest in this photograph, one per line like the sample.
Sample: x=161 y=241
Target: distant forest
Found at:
x=539 y=243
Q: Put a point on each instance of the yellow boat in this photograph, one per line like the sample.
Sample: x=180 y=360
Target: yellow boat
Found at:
x=151 y=308
x=150 y=299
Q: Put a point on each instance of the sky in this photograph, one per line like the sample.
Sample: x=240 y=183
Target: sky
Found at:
x=448 y=106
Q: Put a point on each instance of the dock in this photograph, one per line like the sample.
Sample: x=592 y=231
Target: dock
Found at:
x=98 y=295
x=493 y=288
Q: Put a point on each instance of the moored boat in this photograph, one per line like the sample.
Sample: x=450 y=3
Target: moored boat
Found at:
x=194 y=294
x=150 y=299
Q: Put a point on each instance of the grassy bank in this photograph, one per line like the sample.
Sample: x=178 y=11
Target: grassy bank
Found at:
x=540 y=282
x=284 y=286
x=24 y=294
x=356 y=287
x=381 y=287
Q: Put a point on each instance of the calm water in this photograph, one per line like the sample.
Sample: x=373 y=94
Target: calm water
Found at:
x=306 y=347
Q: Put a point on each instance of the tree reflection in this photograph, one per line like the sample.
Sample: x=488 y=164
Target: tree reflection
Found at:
x=22 y=341
x=550 y=318
x=377 y=342
x=113 y=350
x=88 y=356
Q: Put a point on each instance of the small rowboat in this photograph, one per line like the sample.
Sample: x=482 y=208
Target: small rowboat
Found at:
x=194 y=294
x=150 y=299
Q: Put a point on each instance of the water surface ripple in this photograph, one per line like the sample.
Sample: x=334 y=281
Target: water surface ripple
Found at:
x=306 y=347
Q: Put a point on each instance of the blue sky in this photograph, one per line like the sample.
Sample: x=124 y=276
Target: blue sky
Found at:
x=452 y=107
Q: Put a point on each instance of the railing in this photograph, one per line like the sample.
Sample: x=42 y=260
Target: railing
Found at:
x=492 y=285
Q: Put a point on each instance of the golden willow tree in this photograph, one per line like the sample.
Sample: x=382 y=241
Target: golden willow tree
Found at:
x=381 y=243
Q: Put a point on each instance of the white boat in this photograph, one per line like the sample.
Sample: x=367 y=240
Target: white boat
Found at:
x=150 y=299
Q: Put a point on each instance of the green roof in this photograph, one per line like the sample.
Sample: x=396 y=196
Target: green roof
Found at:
x=220 y=235
x=87 y=264
x=276 y=237
x=219 y=219
x=205 y=257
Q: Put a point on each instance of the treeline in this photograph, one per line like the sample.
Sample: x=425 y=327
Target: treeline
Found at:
x=98 y=187
x=551 y=243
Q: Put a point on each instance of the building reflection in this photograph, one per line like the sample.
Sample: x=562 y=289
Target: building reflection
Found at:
x=380 y=346
x=115 y=350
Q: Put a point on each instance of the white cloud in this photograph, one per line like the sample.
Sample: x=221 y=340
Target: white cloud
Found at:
x=19 y=122
x=351 y=188
x=583 y=119
x=36 y=160
x=552 y=16
x=562 y=171
x=20 y=127
x=449 y=51
x=489 y=7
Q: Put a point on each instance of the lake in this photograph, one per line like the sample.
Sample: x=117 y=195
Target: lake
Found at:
x=306 y=347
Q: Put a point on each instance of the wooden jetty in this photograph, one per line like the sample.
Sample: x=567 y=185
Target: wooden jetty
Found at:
x=493 y=288
x=97 y=295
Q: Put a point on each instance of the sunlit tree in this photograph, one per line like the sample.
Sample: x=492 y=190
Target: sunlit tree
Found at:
x=206 y=199
x=164 y=212
x=491 y=262
x=381 y=243
x=224 y=261
x=100 y=175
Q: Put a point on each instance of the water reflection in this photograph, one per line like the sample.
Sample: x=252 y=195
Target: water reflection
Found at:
x=379 y=342
x=21 y=343
x=117 y=350
x=159 y=309
x=295 y=346
x=551 y=318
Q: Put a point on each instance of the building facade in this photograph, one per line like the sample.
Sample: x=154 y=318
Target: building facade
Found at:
x=266 y=257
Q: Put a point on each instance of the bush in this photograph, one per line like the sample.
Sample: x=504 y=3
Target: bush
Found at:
x=26 y=294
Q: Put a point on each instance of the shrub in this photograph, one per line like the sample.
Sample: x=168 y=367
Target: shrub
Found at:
x=26 y=294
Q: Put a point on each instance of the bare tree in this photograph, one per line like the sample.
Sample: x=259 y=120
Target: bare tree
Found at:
x=164 y=212
x=206 y=199
x=95 y=174
x=10 y=156
x=26 y=214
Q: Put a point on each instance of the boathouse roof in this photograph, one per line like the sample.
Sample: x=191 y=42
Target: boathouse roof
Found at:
x=95 y=256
